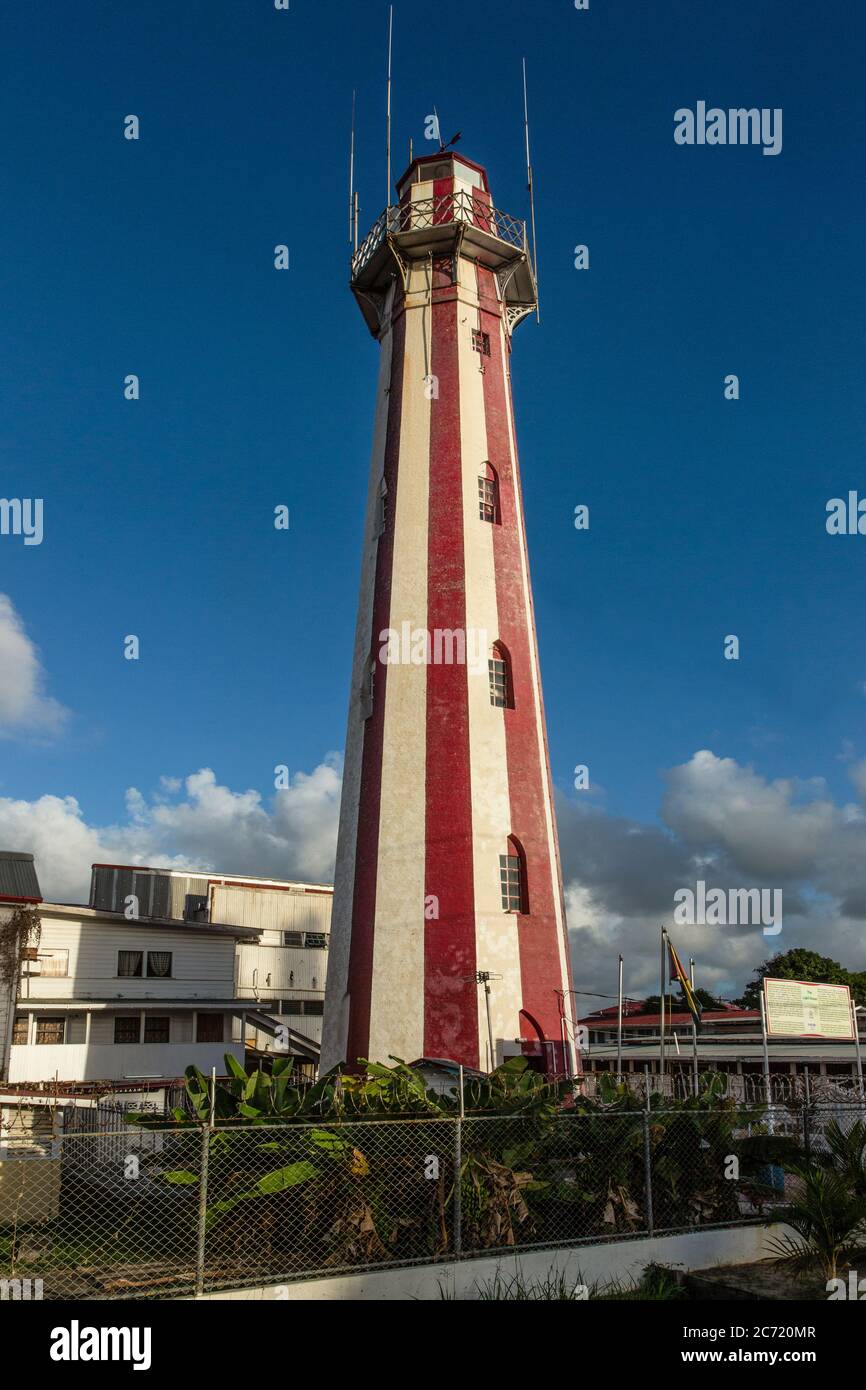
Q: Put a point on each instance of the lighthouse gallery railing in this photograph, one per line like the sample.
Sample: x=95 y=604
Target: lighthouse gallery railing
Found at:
x=444 y=210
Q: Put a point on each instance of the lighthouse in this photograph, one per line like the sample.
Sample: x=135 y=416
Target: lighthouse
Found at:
x=448 y=934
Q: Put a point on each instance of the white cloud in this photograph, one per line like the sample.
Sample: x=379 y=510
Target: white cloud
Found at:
x=24 y=708
x=731 y=827
x=206 y=826
x=720 y=821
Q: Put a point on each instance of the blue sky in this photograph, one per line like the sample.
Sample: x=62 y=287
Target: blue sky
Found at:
x=707 y=516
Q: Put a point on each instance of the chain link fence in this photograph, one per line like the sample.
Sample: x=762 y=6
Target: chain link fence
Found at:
x=159 y=1213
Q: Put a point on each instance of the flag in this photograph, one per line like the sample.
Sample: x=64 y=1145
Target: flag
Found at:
x=679 y=975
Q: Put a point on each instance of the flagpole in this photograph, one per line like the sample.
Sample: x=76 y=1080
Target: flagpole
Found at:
x=662 y=1012
x=767 y=1085
x=619 y=1027
x=694 y=1029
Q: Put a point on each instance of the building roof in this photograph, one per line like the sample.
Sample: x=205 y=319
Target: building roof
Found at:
x=226 y=880
x=18 y=881
x=444 y=1064
x=672 y=1020
x=130 y=1003
x=175 y=924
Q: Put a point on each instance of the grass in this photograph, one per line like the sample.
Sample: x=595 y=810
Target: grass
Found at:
x=656 y=1284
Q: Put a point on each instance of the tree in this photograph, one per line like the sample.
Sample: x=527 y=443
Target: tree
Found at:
x=677 y=1004
x=799 y=964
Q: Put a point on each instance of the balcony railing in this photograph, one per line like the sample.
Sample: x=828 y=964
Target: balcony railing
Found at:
x=444 y=210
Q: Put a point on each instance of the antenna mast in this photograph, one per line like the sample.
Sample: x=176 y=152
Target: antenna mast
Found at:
x=531 y=187
x=388 y=137
x=352 y=174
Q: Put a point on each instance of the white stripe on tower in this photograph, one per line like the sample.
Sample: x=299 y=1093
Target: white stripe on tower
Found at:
x=497 y=946
x=397 y=1002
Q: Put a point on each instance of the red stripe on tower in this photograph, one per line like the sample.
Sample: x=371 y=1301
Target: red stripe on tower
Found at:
x=450 y=1000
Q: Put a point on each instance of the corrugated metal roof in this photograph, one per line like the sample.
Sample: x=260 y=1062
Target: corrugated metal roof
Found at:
x=18 y=877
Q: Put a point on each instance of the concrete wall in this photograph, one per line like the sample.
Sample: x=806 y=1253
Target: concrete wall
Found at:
x=601 y=1264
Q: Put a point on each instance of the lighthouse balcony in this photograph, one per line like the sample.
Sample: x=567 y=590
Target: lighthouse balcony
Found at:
x=416 y=229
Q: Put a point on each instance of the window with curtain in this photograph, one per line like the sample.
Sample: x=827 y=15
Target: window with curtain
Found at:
x=54 y=963
x=159 y=964
x=20 y=1031
x=129 y=963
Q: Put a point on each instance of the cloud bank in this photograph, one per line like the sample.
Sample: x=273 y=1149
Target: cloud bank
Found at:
x=718 y=821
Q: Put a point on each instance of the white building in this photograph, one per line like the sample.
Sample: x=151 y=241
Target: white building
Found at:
x=282 y=961
x=162 y=970
x=108 y=998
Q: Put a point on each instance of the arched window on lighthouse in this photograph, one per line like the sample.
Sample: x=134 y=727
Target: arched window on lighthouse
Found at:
x=499 y=667
x=488 y=494
x=512 y=877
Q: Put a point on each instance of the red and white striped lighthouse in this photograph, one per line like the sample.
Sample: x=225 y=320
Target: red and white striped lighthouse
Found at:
x=447 y=861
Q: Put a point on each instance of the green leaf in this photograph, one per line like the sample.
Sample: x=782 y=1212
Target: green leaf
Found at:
x=180 y=1177
x=281 y=1178
x=234 y=1068
x=326 y=1139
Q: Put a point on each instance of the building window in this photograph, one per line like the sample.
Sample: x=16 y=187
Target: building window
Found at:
x=312 y=940
x=314 y=1008
x=20 y=1031
x=481 y=342
x=159 y=964
x=292 y=1007
x=127 y=1028
x=209 y=1028
x=499 y=669
x=54 y=963
x=129 y=963
x=488 y=494
x=50 y=1030
x=512 y=878
x=156 y=1029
